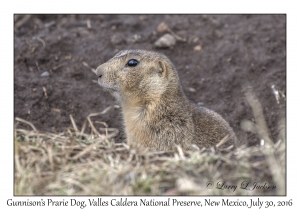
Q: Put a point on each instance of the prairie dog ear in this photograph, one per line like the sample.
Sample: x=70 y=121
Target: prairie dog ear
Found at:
x=163 y=69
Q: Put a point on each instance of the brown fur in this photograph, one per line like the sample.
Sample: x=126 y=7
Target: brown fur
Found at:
x=157 y=114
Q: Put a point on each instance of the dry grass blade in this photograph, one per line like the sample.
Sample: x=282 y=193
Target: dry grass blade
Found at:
x=18 y=165
x=176 y=36
x=96 y=114
x=180 y=152
x=74 y=182
x=74 y=124
x=262 y=129
x=50 y=156
x=26 y=122
x=42 y=41
x=223 y=141
x=83 y=127
x=86 y=150
x=88 y=66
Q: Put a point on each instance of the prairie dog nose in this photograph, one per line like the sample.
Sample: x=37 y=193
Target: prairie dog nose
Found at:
x=99 y=71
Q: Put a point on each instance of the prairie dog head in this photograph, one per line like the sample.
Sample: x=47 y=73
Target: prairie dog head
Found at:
x=137 y=75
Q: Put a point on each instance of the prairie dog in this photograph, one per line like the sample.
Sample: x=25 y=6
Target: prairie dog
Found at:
x=157 y=115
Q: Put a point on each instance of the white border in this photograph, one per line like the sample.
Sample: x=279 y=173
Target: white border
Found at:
x=153 y=6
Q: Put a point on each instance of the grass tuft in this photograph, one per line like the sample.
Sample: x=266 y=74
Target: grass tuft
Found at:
x=65 y=164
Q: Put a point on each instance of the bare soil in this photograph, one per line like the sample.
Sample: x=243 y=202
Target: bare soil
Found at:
x=220 y=54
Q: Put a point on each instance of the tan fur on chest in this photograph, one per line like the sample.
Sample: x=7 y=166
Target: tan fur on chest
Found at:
x=137 y=120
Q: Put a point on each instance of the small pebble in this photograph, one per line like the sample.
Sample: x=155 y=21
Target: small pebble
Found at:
x=162 y=27
x=56 y=110
x=248 y=126
x=45 y=74
x=215 y=22
x=165 y=41
x=196 y=39
x=197 y=48
x=136 y=38
x=47 y=25
x=192 y=89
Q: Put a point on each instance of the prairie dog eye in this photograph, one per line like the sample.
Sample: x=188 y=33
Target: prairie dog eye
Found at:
x=132 y=63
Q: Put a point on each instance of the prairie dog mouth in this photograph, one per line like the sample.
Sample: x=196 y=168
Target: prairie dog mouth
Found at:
x=106 y=86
